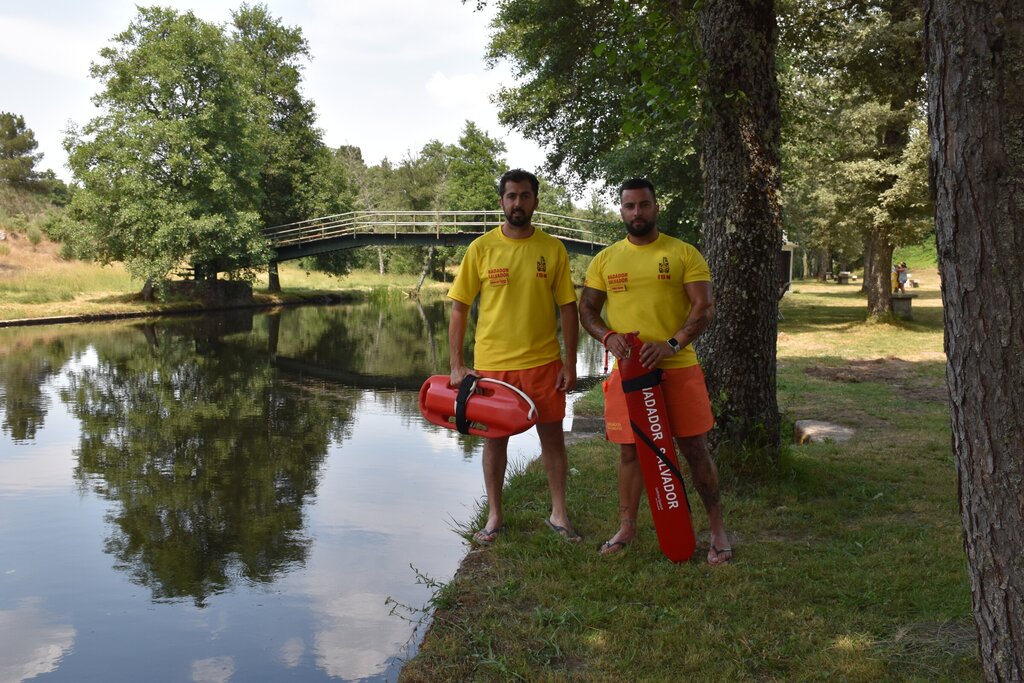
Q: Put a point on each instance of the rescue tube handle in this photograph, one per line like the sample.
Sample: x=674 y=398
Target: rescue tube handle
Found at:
x=468 y=387
x=529 y=401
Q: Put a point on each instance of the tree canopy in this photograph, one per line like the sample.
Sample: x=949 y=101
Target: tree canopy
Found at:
x=17 y=150
x=203 y=140
x=855 y=146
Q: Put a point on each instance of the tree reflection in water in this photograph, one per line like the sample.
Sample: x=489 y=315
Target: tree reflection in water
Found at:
x=209 y=454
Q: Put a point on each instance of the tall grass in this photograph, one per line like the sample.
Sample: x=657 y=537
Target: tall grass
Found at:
x=64 y=281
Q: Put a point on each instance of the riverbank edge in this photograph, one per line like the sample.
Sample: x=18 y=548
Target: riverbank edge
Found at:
x=193 y=308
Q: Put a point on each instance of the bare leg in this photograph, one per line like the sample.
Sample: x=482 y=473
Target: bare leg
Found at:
x=556 y=466
x=631 y=487
x=705 y=480
x=495 y=460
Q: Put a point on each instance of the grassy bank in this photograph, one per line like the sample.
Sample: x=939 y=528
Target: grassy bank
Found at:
x=35 y=282
x=849 y=563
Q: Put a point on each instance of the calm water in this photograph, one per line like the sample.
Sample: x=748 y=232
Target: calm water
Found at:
x=228 y=498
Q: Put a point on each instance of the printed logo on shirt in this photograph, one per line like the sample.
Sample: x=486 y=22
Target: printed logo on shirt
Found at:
x=617 y=282
x=497 y=277
x=663 y=269
x=542 y=267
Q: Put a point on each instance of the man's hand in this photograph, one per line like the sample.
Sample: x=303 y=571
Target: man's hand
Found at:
x=459 y=374
x=617 y=346
x=653 y=353
x=567 y=377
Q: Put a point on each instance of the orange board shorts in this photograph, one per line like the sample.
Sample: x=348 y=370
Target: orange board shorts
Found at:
x=686 y=395
x=538 y=383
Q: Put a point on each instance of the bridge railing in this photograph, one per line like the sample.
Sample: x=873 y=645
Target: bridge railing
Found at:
x=353 y=223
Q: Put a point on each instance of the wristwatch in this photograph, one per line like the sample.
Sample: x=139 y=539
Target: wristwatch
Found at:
x=674 y=343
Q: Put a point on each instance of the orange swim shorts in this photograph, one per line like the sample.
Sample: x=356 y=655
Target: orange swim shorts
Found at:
x=539 y=384
x=686 y=395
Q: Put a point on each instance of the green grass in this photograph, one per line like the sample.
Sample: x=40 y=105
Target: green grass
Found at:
x=64 y=283
x=849 y=562
x=919 y=256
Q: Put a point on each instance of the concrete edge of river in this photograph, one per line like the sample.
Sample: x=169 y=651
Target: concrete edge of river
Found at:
x=195 y=309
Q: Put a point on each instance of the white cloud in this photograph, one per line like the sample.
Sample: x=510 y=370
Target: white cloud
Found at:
x=388 y=76
x=34 y=641
x=213 y=670
x=57 y=51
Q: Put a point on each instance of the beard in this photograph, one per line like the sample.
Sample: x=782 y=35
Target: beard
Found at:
x=640 y=228
x=518 y=217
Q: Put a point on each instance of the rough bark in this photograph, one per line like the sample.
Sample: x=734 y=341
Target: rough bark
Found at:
x=742 y=228
x=273 y=278
x=868 y=265
x=879 y=283
x=975 y=61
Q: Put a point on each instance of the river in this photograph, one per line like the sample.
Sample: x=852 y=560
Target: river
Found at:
x=233 y=497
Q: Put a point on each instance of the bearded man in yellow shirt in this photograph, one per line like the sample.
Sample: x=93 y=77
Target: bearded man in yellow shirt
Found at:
x=520 y=274
x=658 y=287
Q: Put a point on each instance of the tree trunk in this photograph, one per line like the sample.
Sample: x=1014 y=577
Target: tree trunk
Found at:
x=380 y=259
x=880 y=285
x=428 y=262
x=824 y=265
x=742 y=225
x=975 y=53
x=868 y=265
x=273 y=279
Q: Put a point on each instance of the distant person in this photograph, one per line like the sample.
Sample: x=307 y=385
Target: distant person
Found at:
x=520 y=274
x=660 y=287
x=901 y=277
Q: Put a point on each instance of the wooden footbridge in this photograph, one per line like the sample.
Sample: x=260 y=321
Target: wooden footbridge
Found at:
x=415 y=228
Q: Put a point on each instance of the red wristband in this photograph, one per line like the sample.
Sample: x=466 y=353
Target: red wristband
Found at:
x=604 y=339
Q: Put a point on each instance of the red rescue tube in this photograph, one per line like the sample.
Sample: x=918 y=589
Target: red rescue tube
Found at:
x=492 y=408
x=666 y=493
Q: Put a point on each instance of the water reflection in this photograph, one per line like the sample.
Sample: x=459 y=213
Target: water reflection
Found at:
x=266 y=480
x=209 y=457
x=34 y=641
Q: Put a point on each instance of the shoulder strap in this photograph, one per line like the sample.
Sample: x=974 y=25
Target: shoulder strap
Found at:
x=646 y=381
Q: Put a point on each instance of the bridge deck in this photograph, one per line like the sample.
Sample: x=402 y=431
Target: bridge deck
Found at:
x=414 y=228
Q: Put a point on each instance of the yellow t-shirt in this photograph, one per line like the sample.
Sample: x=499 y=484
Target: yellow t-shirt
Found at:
x=520 y=282
x=645 y=289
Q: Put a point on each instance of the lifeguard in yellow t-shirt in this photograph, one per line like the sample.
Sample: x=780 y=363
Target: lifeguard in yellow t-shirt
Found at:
x=660 y=288
x=520 y=274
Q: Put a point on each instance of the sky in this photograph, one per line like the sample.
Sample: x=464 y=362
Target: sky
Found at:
x=387 y=76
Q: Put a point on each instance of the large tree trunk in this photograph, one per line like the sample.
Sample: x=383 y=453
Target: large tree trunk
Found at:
x=273 y=278
x=868 y=265
x=742 y=223
x=975 y=61
x=879 y=286
x=824 y=264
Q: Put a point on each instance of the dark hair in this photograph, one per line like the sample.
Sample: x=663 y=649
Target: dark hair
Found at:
x=637 y=184
x=518 y=175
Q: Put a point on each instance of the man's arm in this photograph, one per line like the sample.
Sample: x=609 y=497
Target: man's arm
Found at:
x=591 y=303
x=702 y=310
x=568 y=315
x=456 y=337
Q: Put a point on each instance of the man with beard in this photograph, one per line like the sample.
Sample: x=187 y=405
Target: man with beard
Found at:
x=521 y=274
x=659 y=288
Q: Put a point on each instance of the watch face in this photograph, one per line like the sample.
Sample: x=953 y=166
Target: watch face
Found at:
x=674 y=343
